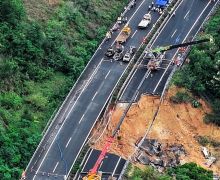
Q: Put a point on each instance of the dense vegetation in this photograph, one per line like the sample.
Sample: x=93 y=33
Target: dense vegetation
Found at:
x=148 y=173
x=202 y=74
x=39 y=62
x=187 y=171
x=190 y=171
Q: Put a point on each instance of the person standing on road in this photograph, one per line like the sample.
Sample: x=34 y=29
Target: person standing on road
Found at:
x=133 y=3
x=108 y=35
x=125 y=20
x=152 y=4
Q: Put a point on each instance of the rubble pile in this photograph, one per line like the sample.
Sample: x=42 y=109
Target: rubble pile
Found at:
x=209 y=158
x=159 y=155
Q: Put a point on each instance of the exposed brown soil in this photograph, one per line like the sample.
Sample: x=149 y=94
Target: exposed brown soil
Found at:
x=175 y=123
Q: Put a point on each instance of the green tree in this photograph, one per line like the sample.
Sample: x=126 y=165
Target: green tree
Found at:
x=202 y=74
x=11 y=11
x=190 y=171
x=147 y=174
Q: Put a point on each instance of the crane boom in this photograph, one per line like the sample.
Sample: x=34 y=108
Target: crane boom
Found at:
x=170 y=47
x=102 y=155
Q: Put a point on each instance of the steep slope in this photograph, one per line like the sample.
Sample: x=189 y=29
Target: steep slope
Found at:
x=175 y=124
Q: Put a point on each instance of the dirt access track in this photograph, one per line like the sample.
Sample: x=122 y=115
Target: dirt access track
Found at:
x=175 y=123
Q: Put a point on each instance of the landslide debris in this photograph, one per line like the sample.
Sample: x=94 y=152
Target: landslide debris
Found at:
x=176 y=124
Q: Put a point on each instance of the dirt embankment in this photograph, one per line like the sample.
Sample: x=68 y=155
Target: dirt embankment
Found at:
x=175 y=123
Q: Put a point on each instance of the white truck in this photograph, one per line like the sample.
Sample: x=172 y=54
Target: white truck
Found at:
x=145 y=21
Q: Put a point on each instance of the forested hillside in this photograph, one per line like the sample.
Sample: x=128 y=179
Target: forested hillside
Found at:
x=202 y=74
x=42 y=52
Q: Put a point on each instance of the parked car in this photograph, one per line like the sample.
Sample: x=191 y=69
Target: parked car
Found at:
x=110 y=52
x=118 y=56
x=127 y=57
x=132 y=49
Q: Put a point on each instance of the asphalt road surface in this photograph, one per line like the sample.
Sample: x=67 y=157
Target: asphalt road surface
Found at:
x=112 y=165
x=176 y=30
x=63 y=141
x=183 y=26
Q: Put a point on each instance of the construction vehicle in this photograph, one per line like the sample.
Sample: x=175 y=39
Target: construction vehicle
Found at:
x=155 y=62
x=157 y=55
x=145 y=21
x=124 y=35
x=93 y=173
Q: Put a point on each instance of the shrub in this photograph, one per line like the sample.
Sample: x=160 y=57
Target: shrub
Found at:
x=196 y=103
x=190 y=171
x=206 y=140
x=214 y=117
x=203 y=140
x=180 y=97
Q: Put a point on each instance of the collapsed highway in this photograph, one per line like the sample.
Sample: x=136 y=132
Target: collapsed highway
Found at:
x=65 y=138
x=185 y=28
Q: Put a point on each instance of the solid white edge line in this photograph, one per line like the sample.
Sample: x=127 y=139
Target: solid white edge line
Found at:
x=85 y=86
x=197 y=20
x=136 y=68
x=66 y=119
x=87 y=160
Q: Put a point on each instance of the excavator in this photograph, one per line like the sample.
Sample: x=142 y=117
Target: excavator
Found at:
x=93 y=174
x=156 y=55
